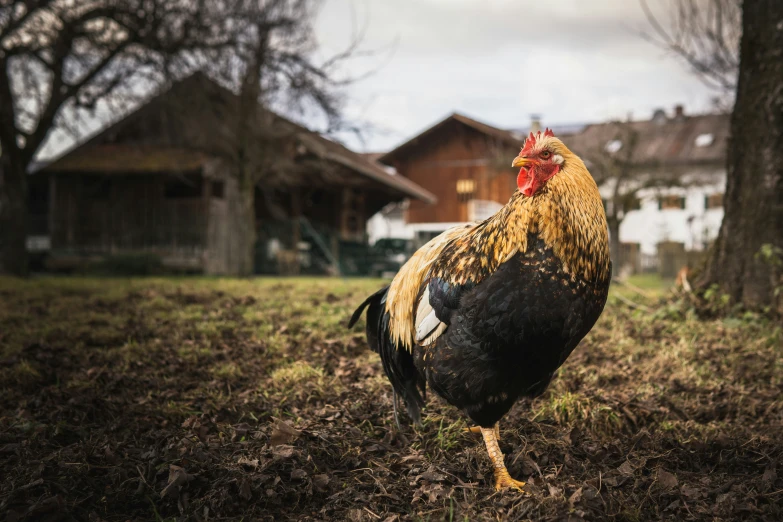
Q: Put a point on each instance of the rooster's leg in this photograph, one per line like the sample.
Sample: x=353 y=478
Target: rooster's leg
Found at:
x=502 y=479
x=477 y=429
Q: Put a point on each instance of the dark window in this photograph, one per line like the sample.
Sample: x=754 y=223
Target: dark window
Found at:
x=671 y=202
x=713 y=201
x=353 y=224
x=183 y=187
x=217 y=189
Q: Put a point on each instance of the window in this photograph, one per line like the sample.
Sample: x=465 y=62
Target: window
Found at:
x=704 y=140
x=633 y=204
x=217 y=189
x=465 y=190
x=671 y=202
x=713 y=201
x=183 y=187
x=613 y=146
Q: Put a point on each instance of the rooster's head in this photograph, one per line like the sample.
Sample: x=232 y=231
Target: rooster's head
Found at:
x=540 y=159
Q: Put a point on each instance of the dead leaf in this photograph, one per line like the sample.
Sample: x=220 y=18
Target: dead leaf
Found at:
x=769 y=476
x=430 y=476
x=320 y=482
x=244 y=461
x=283 y=433
x=555 y=492
x=690 y=492
x=626 y=468
x=575 y=497
x=245 y=490
x=177 y=477
x=283 y=451
x=666 y=480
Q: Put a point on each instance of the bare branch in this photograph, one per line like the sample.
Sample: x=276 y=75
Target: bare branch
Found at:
x=705 y=35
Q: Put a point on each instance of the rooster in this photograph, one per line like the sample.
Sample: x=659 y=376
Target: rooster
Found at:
x=486 y=313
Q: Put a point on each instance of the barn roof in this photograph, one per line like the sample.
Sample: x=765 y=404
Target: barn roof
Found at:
x=510 y=138
x=681 y=140
x=95 y=155
x=123 y=158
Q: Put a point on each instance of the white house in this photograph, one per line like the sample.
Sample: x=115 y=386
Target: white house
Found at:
x=671 y=175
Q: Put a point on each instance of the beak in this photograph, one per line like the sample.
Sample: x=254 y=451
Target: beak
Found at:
x=521 y=161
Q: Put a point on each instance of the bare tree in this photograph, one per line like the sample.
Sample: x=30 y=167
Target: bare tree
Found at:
x=273 y=64
x=738 y=47
x=60 y=59
x=705 y=34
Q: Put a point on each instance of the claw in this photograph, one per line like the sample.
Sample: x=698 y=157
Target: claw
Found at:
x=504 y=481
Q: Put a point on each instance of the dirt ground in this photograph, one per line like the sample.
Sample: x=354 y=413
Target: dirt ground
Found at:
x=198 y=399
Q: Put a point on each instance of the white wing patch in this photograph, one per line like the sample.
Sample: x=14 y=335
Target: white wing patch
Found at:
x=428 y=326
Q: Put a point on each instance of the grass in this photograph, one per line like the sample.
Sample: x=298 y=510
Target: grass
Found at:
x=106 y=383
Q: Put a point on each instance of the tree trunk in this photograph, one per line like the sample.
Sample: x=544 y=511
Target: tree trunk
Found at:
x=247 y=230
x=614 y=244
x=14 y=218
x=754 y=187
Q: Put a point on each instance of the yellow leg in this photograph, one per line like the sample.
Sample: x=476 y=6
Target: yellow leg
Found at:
x=502 y=479
x=477 y=429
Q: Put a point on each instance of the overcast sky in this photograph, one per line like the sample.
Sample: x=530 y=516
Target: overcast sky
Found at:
x=571 y=61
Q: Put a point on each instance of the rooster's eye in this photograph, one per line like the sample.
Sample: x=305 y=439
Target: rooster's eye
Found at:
x=545 y=154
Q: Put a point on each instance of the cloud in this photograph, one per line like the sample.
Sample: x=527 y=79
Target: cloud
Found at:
x=500 y=61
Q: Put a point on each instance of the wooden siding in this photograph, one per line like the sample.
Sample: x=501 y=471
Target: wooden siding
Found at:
x=109 y=215
x=458 y=153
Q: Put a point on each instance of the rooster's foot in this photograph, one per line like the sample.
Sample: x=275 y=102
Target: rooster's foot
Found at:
x=504 y=481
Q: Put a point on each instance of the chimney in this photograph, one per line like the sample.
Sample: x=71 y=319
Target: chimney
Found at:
x=679 y=112
x=659 y=116
x=535 y=123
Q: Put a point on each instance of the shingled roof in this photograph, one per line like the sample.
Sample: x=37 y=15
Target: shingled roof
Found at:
x=510 y=138
x=661 y=141
x=96 y=156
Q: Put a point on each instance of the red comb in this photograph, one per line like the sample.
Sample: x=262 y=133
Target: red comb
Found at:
x=530 y=142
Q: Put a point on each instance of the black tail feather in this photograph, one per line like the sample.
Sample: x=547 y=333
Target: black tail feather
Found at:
x=397 y=363
x=358 y=312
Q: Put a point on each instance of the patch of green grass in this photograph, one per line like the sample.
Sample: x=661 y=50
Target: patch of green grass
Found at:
x=227 y=371
x=295 y=374
x=568 y=409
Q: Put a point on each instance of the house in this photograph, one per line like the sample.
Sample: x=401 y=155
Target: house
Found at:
x=464 y=163
x=678 y=163
x=163 y=181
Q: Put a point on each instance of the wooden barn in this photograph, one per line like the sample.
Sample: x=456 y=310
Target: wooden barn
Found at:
x=162 y=182
x=465 y=163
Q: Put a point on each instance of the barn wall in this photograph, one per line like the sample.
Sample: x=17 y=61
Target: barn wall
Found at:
x=114 y=214
x=458 y=153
